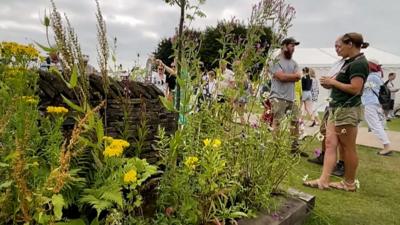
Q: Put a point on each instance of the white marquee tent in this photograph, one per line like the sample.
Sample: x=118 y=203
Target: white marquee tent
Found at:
x=321 y=59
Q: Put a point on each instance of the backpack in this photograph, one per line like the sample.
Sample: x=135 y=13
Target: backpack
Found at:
x=384 y=94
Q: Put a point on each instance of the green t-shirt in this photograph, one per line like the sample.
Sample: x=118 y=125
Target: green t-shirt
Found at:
x=353 y=67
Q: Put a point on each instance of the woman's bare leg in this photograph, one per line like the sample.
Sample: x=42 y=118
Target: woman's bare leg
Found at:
x=347 y=138
x=331 y=144
x=309 y=109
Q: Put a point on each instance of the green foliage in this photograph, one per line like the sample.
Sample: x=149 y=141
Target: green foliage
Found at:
x=230 y=180
x=211 y=44
x=58 y=203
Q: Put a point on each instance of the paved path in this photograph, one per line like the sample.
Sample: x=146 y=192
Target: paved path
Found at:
x=364 y=137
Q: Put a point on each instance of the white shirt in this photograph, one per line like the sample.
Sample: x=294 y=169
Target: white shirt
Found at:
x=227 y=78
x=334 y=70
x=392 y=89
x=159 y=81
x=212 y=88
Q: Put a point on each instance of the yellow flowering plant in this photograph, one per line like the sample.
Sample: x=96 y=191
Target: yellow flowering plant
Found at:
x=114 y=147
x=191 y=162
x=58 y=110
x=17 y=54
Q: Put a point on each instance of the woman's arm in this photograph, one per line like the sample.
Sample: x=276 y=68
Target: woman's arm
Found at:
x=171 y=71
x=355 y=87
x=392 y=88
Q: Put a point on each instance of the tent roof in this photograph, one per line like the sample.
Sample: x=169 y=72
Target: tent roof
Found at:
x=325 y=57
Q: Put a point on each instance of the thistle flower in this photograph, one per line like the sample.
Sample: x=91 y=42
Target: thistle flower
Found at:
x=56 y=109
x=130 y=176
x=191 y=162
x=317 y=152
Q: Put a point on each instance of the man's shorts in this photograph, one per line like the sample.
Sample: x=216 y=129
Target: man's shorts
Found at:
x=345 y=116
x=282 y=108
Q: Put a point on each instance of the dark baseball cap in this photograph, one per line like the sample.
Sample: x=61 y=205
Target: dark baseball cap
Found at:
x=290 y=40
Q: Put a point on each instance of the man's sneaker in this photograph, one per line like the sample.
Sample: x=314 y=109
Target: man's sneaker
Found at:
x=317 y=160
x=296 y=149
x=339 y=169
x=298 y=152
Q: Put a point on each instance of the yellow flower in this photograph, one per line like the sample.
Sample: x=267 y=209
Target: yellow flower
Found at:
x=191 y=162
x=207 y=142
x=108 y=139
x=56 y=110
x=216 y=143
x=116 y=148
x=120 y=143
x=130 y=176
x=111 y=151
x=29 y=99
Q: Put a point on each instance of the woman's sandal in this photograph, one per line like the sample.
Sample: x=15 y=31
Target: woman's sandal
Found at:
x=315 y=184
x=344 y=186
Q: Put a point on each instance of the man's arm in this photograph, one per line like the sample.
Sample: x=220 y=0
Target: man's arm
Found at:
x=287 y=77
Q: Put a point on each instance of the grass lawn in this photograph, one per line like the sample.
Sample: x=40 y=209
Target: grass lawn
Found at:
x=377 y=202
x=394 y=125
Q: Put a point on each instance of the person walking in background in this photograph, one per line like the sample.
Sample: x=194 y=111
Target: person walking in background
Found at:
x=373 y=112
x=226 y=81
x=344 y=113
x=390 y=84
x=243 y=88
x=306 y=96
x=314 y=97
x=211 y=86
x=159 y=79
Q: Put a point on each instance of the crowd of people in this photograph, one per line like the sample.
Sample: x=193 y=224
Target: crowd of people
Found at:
x=355 y=84
x=357 y=91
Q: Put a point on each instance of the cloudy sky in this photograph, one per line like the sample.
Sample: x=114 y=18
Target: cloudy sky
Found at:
x=140 y=24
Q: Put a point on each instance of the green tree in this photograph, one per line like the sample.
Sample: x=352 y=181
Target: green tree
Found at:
x=184 y=5
x=210 y=46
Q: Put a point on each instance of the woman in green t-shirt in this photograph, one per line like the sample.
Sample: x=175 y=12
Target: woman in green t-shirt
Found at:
x=344 y=113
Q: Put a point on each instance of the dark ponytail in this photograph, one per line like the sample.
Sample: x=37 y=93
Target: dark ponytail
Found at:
x=356 y=39
x=364 y=45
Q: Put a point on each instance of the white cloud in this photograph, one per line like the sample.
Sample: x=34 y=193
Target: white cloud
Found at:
x=12 y=25
x=228 y=13
x=139 y=24
x=151 y=35
x=126 y=20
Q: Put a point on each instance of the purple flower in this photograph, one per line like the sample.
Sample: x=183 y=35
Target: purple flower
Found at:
x=317 y=152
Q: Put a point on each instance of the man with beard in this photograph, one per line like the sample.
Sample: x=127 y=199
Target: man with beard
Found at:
x=285 y=73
